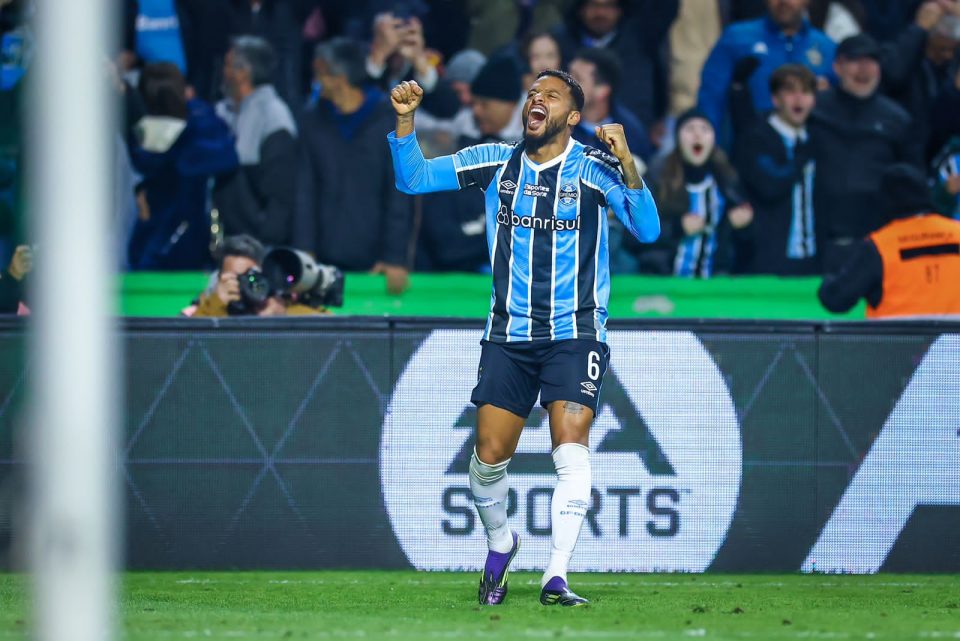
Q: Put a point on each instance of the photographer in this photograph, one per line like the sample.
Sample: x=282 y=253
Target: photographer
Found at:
x=239 y=257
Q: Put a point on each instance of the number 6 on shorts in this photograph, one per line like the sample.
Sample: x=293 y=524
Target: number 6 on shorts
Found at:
x=593 y=366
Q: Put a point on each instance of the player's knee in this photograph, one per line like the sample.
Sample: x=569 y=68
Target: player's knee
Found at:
x=492 y=451
x=487 y=473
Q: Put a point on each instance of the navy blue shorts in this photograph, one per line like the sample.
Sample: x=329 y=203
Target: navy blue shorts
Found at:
x=512 y=374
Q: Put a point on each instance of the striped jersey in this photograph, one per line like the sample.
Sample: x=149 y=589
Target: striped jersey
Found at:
x=695 y=253
x=546 y=230
x=801 y=241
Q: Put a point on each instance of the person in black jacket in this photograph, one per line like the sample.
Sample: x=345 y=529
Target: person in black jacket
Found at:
x=636 y=39
x=258 y=198
x=919 y=65
x=859 y=133
x=777 y=172
x=355 y=218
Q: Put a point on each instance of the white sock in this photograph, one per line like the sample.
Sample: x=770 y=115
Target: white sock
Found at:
x=571 y=499
x=490 y=487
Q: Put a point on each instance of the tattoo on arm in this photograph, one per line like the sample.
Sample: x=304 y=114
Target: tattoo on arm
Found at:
x=631 y=177
x=573 y=408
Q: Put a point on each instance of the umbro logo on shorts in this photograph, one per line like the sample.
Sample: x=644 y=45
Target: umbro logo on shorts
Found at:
x=588 y=388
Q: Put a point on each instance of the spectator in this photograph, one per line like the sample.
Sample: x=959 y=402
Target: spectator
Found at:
x=598 y=72
x=176 y=147
x=858 y=134
x=496 y=103
x=460 y=72
x=775 y=164
x=398 y=52
x=944 y=123
x=886 y=19
x=920 y=63
x=908 y=268
x=705 y=220
x=539 y=51
x=692 y=36
x=154 y=31
x=637 y=40
x=748 y=52
x=946 y=189
x=495 y=23
x=258 y=198
x=360 y=220
x=12 y=283
x=239 y=256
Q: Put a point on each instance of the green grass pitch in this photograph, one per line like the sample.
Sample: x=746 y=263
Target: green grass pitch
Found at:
x=419 y=605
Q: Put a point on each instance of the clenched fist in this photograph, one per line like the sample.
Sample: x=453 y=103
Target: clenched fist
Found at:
x=406 y=97
x=613 y=137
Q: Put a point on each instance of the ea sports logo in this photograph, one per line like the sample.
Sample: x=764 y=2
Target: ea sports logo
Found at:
x=666 y=458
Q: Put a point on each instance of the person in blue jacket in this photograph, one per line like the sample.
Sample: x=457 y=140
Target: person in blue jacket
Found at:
x=748 y=53
x=176 y=147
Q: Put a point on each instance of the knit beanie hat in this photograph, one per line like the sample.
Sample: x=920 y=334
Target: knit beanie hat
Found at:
x=685 y=117
x=464 y=66
x=498 y=79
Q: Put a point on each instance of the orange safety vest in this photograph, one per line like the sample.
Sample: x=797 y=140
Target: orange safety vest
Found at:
x=921 y=267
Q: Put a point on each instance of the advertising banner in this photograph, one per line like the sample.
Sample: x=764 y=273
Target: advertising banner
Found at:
x=716 y=447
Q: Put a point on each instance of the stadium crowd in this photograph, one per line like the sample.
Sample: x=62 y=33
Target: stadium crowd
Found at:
x=764 y=127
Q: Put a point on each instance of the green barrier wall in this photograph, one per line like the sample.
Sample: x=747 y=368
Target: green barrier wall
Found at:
x=468 y=295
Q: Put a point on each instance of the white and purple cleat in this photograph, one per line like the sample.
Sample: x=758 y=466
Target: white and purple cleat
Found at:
x=556 y=592
x=493 y=581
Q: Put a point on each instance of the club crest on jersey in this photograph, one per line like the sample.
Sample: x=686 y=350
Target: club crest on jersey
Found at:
x=569 y=194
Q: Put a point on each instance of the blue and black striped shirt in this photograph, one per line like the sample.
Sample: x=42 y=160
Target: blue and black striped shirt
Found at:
x=546 y=230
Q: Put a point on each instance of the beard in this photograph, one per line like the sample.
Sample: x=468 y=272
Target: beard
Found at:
x=552 y=129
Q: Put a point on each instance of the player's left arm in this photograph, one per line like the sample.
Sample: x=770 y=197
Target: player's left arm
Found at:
x=629 y=198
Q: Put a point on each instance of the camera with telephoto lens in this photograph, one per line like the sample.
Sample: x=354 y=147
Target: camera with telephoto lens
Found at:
x=292 y=274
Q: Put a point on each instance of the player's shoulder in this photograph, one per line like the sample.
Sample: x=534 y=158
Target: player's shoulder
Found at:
x=598 y=155
x=488 y=152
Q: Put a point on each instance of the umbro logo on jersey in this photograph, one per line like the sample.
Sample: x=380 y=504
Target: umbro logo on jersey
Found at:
x=508 y=187
x=588 y=388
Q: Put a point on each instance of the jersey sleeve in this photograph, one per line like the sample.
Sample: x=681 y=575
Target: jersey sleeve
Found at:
x=413 y=173
x=478 y=164
x=475 y=165
x=635 y=208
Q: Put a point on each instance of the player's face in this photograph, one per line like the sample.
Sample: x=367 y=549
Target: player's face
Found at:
x=696 y=138
x=794 y=104
x=547 y=110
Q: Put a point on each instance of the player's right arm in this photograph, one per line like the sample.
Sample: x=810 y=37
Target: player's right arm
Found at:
x=414 y=173
x=474 y=165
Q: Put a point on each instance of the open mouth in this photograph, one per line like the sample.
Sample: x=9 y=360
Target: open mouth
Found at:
x=536 y=117
x=697 y=148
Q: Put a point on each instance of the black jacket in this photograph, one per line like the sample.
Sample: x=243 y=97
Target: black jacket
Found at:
x=914 y=82
x=769 y=176
x=353 y=216
x=855 y=140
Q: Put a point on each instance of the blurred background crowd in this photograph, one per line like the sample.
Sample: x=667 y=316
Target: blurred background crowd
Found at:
x=765 y=127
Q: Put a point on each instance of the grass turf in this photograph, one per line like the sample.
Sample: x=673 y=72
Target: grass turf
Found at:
x=412 y=605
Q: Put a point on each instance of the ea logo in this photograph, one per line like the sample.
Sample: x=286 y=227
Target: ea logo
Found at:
x=666 y=458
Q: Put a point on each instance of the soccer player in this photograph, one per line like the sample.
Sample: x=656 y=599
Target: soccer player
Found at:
x=546 y=218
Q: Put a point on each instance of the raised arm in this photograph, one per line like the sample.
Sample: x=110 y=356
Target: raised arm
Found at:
x=414 y=173
x=629 y=198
